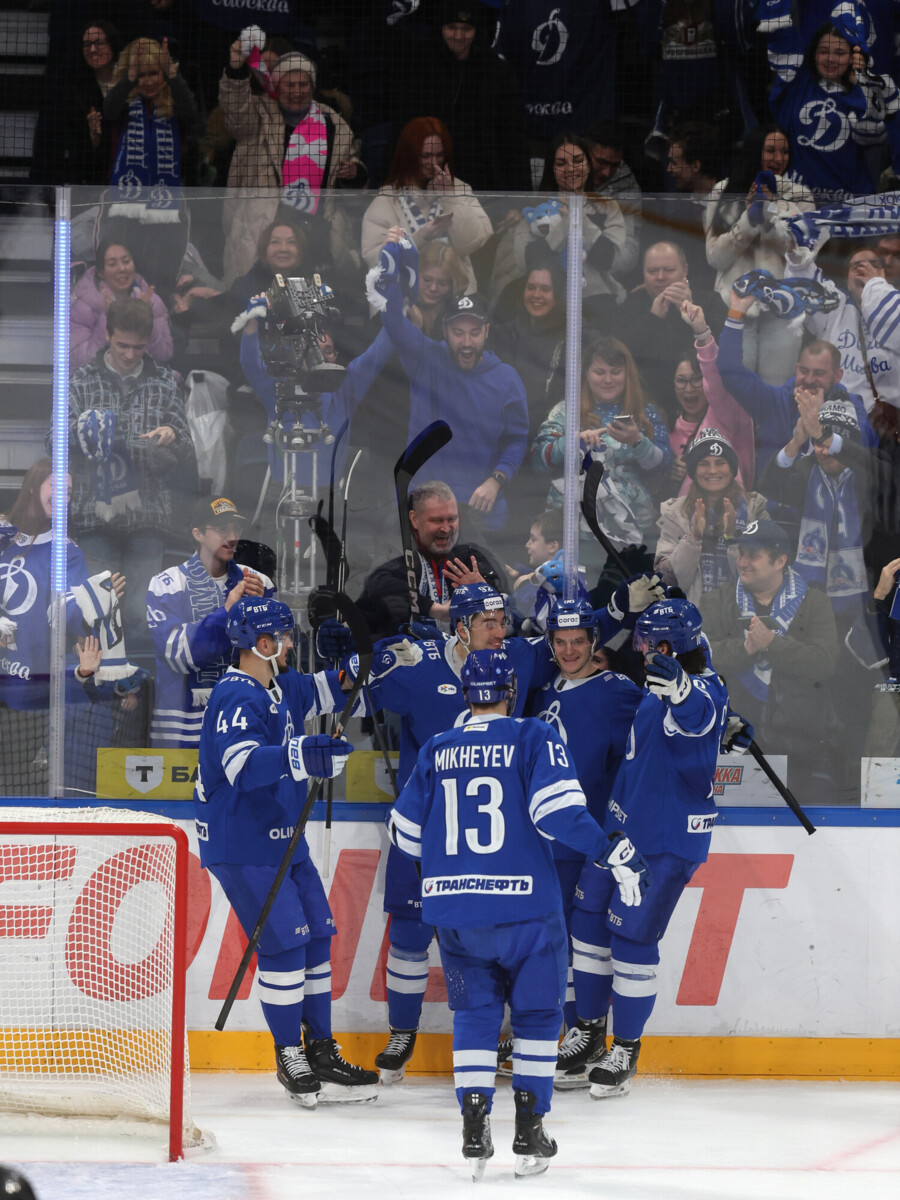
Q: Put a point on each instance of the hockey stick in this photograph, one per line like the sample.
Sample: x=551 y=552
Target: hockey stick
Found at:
x=781 y=788
x=365 y=654
x=432 y=438
x=589 y=512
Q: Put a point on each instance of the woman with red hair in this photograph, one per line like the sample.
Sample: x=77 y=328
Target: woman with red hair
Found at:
x=421 y=195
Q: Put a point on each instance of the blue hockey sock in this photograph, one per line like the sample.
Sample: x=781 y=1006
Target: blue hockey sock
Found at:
x=475 y=1035
x=282 y=979
x=635 y=985
x=407 y=971
x=570 y=1009
x=317 y=999
x=535 y=1048
x=592 y=970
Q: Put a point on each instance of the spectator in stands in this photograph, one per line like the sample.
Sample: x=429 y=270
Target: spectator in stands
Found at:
x=113 y=278
x=829 y=155
x=442 y=564
x=461 y=381
x=131 y=455
x=271 y=127
x=422 y=194
x=865 y=325
x=69 y=146
x=773 y=637
x=697 y=549
x=702 y=401
x=774 y=409
x=155 y=129
x=693 y=160
x=613 y=178
x=461 y=81
x=280 y=249
x=442 y=280
x=742 y=234
x=888 y=249
x=650 y=324
x=618 y=421
x=567 y=171
x=187 y=607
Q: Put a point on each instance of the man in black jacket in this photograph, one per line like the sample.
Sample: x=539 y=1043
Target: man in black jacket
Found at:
x=434 y=517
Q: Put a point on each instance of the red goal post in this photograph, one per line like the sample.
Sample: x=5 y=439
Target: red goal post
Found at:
x=93 y=920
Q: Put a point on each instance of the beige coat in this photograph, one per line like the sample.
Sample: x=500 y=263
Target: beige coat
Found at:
x=678 y=555
x=467 y=232
x=254 y=177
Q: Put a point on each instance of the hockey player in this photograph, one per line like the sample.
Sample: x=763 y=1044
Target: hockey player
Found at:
x=663 y=798
x=251 y=785
x=480 y=810
x=425 y=690
x=187 y=610
x=591 y=711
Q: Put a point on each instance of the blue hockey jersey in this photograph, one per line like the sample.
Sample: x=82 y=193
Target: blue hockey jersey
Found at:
x=663 y=794
x=246 y=800
x=591 y=717
x=428 y=697
x=480 y=810
x=186 y=617
x=25 y=599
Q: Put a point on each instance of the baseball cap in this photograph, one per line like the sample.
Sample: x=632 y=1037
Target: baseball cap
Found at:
x=467 y=306
x=764 y=535
x=216 y=511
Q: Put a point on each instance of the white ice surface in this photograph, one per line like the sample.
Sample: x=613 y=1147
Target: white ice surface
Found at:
x=668 y=1140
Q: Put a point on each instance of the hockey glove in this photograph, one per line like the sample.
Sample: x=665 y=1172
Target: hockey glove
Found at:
x=629 y=869
x=334 y=641
x=400 y=654
x=257 y=308
x=318 y=756
x=738 y=735
x=422 y=630
x=633 y=595
x=667 y=678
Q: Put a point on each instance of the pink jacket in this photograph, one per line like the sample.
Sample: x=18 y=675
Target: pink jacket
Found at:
x=87 y=325
x=724 y=413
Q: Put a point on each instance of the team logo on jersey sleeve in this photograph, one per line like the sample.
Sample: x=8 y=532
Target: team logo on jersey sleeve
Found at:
x=447 y=689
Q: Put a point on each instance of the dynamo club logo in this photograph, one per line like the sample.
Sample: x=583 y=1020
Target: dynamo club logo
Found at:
x=549 y=40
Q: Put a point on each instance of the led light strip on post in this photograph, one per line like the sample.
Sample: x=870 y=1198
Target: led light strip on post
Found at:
x=572 y=463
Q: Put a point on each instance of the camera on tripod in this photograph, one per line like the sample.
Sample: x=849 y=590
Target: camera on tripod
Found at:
x=290 y=338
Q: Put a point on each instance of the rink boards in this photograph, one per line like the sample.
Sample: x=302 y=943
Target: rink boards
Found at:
x=780 y=960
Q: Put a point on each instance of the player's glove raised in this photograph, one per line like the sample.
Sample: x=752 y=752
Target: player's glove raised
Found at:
x=318 y=756
x=629 y=869
x=738 y=735
x=667 y=678
x=633 y=595
x=334 y=641
x=423 y=629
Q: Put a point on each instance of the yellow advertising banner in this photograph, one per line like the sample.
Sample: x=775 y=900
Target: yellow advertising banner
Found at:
x=138 y=774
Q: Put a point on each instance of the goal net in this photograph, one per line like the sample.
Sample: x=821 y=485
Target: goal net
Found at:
x=92 y=968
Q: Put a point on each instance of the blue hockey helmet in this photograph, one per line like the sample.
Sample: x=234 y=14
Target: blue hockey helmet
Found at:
x=570 y=614
x=677 y=622
x=470 y=599
x=252 y=616
x=487 y=677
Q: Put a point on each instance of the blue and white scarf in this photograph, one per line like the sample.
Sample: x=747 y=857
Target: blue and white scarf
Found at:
x=855 y=218
x=147 y=171
x=787 y=299
x=830 y=549
x=757 y=678
x=114 y=480
x=413 y=217
x=715 y=569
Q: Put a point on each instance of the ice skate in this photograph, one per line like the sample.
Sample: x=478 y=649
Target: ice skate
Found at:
x=532 y=1146
x=392 y=1060
x=296 y=1077
x=342 y=1083
x=582 y=1047
x=477 y=1145
x=504 y=1055
x=613 y=1074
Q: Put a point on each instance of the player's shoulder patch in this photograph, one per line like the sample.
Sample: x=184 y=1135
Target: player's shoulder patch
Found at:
x=168 y=583
x=447 y=689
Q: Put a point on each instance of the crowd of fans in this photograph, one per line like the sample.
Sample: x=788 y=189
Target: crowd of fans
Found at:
x=750 y=459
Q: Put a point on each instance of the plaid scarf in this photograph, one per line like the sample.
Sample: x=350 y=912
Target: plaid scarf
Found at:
x=147 y=169
x=757 y=678
x=830 y=550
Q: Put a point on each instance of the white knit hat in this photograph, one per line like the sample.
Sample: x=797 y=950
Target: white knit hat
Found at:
x=293 y=61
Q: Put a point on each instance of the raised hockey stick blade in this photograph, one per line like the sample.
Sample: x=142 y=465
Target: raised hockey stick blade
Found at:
x=781 y=788
x=432 y=438
x=363 y=641
x=589 y=512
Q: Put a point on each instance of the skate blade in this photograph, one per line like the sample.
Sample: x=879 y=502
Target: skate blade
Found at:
x=564 y=1081
x=477 y=1165
x=304 y=1100
x=605 y=1091
x=530 y=1164
x=391 y=1077
x=339 y=1093
x=505 y=1068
